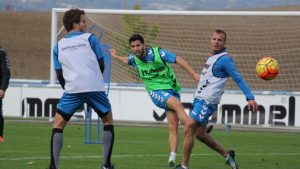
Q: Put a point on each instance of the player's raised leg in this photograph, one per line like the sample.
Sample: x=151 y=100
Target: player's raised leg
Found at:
x=160 y=99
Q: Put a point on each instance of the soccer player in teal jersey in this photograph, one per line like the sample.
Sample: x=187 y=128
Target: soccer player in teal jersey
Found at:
x=152 y=64
x=79 y=65
x=218 y=68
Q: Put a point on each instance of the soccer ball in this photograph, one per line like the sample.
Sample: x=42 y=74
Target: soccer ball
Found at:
x=267 y=68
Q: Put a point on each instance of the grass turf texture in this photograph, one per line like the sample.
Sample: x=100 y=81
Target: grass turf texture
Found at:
x=26 y=146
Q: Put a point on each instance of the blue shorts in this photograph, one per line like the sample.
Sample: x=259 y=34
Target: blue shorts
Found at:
x=202 y=110
x=160 y=97
x=70 y=102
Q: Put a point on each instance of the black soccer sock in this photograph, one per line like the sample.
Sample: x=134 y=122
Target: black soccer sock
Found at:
x=108 y=142
x=55 y=146
x=1 y=126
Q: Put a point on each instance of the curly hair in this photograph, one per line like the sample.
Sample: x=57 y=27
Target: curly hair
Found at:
x=72 y=16
x=135 y=37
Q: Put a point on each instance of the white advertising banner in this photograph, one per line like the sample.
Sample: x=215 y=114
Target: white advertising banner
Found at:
x=134 y=104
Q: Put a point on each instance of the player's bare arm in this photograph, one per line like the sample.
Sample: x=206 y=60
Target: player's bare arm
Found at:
x=185 y=65
x=114 y=54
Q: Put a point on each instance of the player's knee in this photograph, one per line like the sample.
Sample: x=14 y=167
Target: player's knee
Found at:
x=107 y=118
x=58 y=126
x=173 y=124
x=64 y=115
x=173 y=130
x=60 y=121
x=174 y=104
x=188 y=130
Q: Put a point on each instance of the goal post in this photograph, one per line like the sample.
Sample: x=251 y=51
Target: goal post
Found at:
x=251 y=35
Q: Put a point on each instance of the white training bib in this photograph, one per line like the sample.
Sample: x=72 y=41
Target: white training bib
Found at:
x=210 y=87
x=80 y=65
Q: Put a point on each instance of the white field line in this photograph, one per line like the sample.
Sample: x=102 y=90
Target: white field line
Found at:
x=145 y=155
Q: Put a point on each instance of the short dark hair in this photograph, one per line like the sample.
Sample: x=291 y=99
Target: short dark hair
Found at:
x=220 y=31
x=72 y=16
x=135 y=37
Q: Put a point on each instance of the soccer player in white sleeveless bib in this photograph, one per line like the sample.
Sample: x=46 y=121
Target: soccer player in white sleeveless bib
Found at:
x=217 y=69
x=79 y=63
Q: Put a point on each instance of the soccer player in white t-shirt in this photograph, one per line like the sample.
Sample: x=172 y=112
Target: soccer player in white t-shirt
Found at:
x=79 y=65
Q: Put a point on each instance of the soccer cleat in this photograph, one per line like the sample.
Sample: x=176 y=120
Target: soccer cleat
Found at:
x=172 y=159
x=111 y=167
x=1 y=139
x=179 y=167
x=171 y=163
x=230 y=160
x=52 y=167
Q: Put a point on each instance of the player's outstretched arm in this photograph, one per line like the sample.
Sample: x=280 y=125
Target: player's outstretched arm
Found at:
x=185 y=65
x=114 y=54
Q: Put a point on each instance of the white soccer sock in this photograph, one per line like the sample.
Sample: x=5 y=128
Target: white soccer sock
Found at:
x=184 y=167
x=226 y=158
x=172 y=156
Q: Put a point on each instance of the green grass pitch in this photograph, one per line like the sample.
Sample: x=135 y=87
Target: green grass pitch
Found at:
x=26 y=146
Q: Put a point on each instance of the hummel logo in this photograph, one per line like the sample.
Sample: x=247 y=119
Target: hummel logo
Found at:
x=194 y=113
x=201 y=116
x=204 y=110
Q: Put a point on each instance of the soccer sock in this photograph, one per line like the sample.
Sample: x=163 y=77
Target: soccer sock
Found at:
x=56 y=145
x=184 y=167
x=1 y=126
x=227 y=157
x=108 y=142
x=172 y=156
